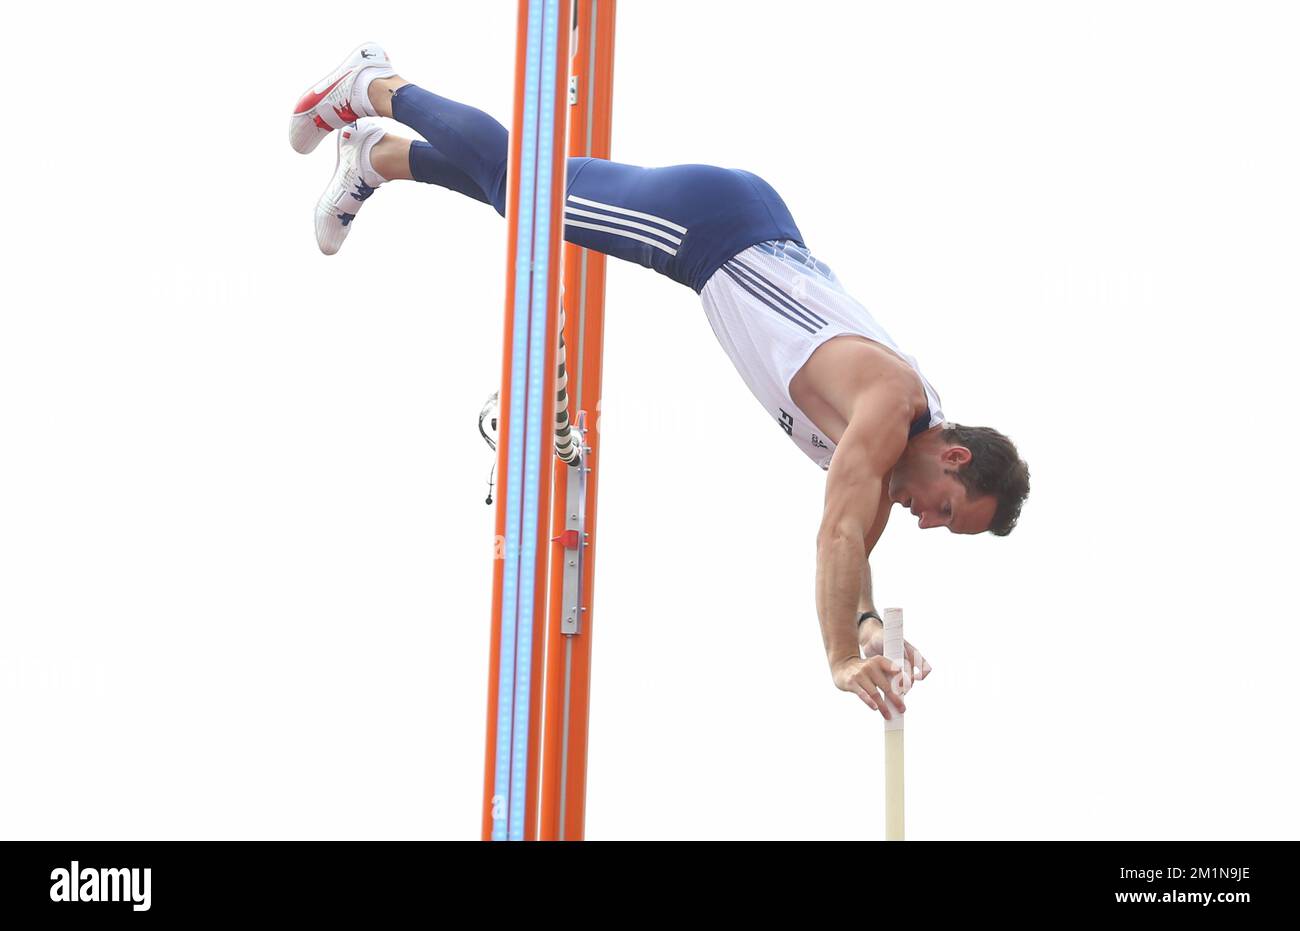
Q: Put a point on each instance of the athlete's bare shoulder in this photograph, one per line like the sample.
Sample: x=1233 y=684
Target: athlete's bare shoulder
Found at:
x=830 y=384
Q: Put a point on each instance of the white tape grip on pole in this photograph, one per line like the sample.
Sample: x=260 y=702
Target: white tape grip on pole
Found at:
x=895 y=654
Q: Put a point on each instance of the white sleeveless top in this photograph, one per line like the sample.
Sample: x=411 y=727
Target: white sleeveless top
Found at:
x=771 y=306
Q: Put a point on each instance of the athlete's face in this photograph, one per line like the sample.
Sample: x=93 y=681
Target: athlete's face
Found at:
x=926 y=484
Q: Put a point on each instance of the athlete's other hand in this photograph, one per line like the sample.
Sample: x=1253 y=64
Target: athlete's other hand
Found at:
x=875 y=680
x=871 y=637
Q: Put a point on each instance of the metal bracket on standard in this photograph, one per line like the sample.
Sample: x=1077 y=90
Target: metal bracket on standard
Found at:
x=574 y=538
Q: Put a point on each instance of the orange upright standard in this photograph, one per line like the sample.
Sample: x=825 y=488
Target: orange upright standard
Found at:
x=535 y=771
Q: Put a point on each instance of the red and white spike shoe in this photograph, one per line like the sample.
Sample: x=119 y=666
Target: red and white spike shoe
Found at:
x=352 y=183
x=329 y=103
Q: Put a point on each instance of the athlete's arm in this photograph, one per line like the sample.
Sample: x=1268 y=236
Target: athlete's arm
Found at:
x=855 y=496
x=865 y=601
x=871 y=632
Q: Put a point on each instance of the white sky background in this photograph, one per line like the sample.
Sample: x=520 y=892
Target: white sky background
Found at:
x=245 y=561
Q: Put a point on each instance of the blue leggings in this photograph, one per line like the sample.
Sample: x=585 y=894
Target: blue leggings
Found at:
x=472 y=148
x=683 y=221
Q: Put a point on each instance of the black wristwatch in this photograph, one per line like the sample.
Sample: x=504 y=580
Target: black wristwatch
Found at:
x=866 y=614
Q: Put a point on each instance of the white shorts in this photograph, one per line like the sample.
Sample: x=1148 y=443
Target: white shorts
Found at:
x=770 y=307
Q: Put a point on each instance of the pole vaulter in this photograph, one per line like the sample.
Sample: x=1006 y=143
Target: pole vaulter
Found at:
x=826 y=371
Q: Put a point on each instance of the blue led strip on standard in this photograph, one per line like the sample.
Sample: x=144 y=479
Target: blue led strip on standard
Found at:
x=539 y=427
x=507 y=824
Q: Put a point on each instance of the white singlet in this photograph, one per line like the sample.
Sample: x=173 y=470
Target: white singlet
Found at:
x=770 y=307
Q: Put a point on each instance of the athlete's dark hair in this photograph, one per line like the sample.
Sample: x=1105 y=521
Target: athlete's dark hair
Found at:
x=995 y=468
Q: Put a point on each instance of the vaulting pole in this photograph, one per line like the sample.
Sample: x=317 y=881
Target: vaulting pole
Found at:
x=573 y=527
x=895 y=653
x=534 y=209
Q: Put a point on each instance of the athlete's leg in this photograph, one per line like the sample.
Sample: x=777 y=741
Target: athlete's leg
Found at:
x=471 y=161
x=474 y=165
x=641 y=215
x=466 y=149
x=396 y=158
